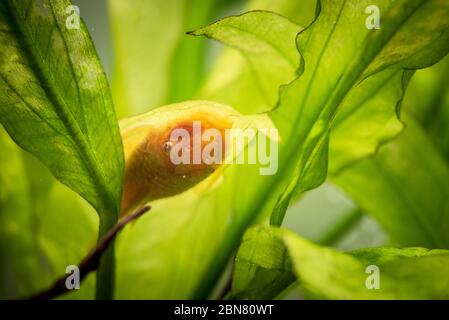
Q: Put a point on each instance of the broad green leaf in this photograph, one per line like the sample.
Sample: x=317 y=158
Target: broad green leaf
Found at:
x=337 y=70
x=410 y=273
x=44 y=226
x=156 y=63
x=368 y=119
x=55 y=101
x=266 y=40
x=405 y=187
x=408 y=178
x=300 y=12
x=262 y=266
x=243 y=77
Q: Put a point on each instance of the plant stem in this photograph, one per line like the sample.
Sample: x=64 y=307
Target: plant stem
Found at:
x=92 y=260
x=106 y=270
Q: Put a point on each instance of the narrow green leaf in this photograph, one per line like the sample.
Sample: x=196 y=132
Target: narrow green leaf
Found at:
x=55 y=100
x=188 y=66
x=140 y=73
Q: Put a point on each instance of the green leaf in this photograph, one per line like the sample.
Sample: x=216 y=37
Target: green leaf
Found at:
x=55 y=100
x=367 y=117
x=188 y=65
x=410 y=273
x=407 y=180
x=405 y=187
x=262 y=266
x=140 y=73
x=337 y=72
x=428 y=102
x=300 y=12
x=241 y=77
x=266 y=40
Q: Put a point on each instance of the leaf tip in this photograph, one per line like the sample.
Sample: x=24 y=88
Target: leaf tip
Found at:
x=197 y=32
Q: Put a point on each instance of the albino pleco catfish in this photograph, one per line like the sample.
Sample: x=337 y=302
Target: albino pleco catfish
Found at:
x=160 y=146
x=149 y=146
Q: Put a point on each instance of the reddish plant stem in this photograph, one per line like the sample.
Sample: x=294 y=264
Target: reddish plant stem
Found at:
x=92 y=260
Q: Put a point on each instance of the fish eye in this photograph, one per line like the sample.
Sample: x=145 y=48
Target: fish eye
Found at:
x=167 y=146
